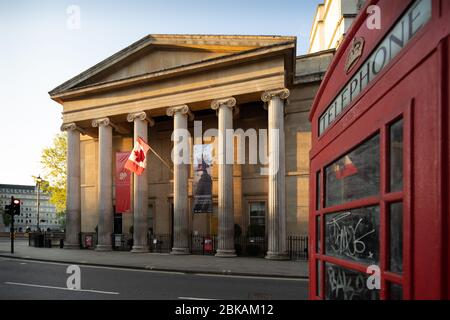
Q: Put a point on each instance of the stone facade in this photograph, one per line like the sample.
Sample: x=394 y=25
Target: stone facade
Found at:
x=226 y=82
x=332 y=20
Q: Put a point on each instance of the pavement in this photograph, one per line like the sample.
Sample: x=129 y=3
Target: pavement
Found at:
x=23 y=279
x=190 y=264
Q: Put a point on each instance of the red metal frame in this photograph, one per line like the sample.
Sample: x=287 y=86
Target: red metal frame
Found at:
x=395 y=93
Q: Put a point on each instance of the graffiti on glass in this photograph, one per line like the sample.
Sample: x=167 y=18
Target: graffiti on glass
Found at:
x=353 y=235
x=344 y=284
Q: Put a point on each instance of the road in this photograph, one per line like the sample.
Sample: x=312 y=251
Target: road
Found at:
x=25 y=279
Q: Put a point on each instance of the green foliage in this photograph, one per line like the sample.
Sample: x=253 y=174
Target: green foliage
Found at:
x=54 y=162
x=6 y=219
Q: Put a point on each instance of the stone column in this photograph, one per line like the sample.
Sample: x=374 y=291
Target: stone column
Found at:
x=180 y=116
x=226 y=211
x=140 y=194
x=276 y=223
x=105 y=197
x=73 y=194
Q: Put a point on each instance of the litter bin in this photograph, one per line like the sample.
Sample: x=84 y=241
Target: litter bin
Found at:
x=39 y=240
x=207 y=245
x=47 y=242
x=61 y=243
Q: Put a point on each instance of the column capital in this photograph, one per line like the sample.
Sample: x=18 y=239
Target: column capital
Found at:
x=283 y=94
x=183 y=109
x=72 y=127
x=227 y=102
x=102 y=122
x=142 y=115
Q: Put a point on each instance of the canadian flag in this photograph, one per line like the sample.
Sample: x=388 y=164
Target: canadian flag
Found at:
x=138 y=158
x=347 y=170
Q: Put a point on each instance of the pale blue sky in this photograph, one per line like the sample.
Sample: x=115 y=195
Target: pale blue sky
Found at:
x=38 y=52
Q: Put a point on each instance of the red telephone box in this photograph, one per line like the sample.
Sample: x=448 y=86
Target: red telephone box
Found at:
x=379 y=200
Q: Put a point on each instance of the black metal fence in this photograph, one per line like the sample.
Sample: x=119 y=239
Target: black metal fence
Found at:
x=46 y=239
x=297 y=246
x=160 y=243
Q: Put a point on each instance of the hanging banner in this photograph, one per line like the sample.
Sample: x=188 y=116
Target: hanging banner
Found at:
x=123 y=183
x=202 y=182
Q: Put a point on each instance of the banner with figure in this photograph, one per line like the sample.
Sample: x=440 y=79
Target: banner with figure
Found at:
x=202 y=182
x=123 y=183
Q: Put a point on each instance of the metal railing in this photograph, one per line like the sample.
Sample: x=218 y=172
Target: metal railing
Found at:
x=297 y=247
x=160 y=243
x=46 y=239
x=203 y=244
x=250 y=246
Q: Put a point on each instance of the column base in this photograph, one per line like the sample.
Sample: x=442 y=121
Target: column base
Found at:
x=139 y=249
x=71 y=246
x=180 y=251
x=277 y=255
x=226 y=253
x=103 y=247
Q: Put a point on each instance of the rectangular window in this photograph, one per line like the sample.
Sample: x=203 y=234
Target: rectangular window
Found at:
x=354 y=176
x=396 y=156
x=345 y=284
x=396 y=237
x=354 y=235
x=258 y=213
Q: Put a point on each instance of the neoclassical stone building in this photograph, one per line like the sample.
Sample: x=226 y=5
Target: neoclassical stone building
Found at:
x=163 y=82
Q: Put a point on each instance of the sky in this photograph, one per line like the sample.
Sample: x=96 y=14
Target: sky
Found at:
x=38 y=51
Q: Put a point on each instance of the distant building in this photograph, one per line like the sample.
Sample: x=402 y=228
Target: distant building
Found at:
x=28 y=208
x=331 y=23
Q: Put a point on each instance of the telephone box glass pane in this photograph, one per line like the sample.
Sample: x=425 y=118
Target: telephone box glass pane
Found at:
x=396 y=156
x=318 y=190
x=354 y=176
x=395 y=292
x=345 y=284
x=318 y=239
x=318 y=277
x=354 y=235
x=396 y=237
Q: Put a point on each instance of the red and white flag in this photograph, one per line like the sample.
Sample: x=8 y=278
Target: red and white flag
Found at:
x=349 y=169
x=138 y=158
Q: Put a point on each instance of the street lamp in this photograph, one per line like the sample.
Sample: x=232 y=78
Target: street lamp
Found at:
x=38 y=185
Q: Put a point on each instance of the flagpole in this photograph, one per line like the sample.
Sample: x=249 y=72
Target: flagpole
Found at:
x=162 y=160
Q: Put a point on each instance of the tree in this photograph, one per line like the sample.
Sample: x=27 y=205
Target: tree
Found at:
x=54 y=162
x=6 y=218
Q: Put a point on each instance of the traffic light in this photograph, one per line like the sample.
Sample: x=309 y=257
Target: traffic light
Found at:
x=13 y=209
x=15 y=206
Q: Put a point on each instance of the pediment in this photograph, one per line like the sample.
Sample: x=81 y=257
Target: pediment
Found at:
x=157 y=53
x=149 y=60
